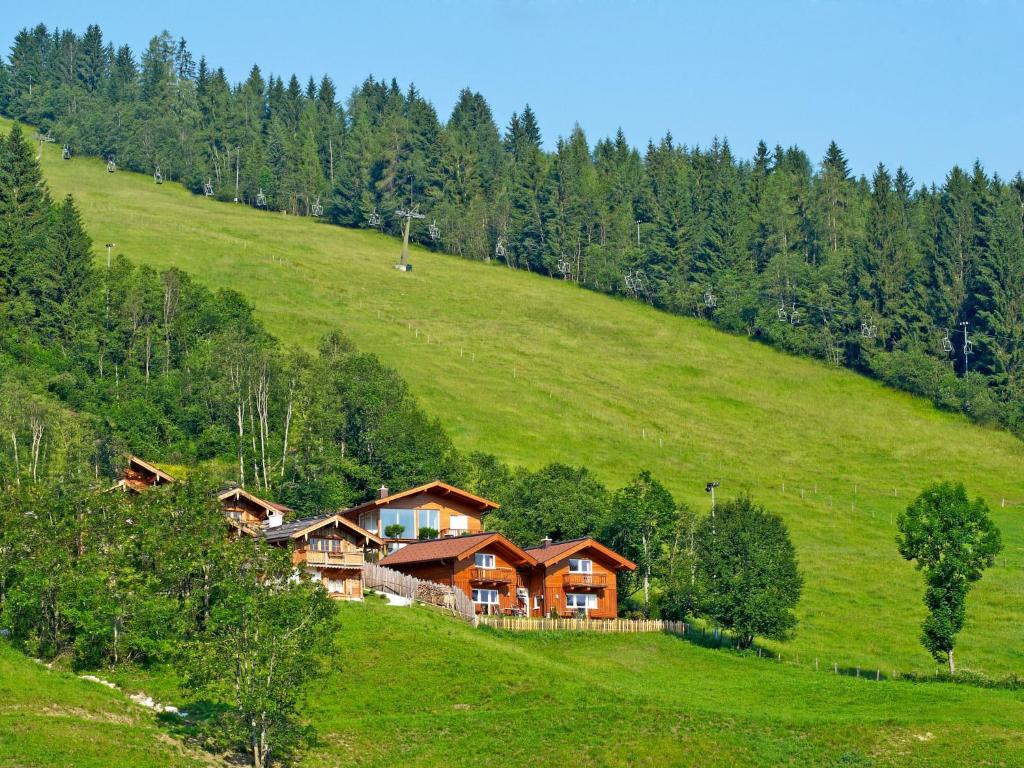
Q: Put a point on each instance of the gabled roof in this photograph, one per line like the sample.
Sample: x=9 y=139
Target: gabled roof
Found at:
x=147 y=467
x=298 y=528
x=455 y=548
x=563 y=549
x=270 y=506
x=443 y=489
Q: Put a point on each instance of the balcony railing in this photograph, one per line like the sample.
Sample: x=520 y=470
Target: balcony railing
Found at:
x=335 y=559
x=449 y=532
x=494 y=575
x=595 y=580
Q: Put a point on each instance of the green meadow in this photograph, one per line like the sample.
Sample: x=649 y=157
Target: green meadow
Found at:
x=411 y=687
x=51 y=719
x=537 y=370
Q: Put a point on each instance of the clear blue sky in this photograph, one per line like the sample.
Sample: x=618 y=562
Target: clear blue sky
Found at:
x=922 y=84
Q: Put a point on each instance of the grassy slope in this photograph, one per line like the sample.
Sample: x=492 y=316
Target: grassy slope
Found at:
x=413 y=688
x=536 y=370
x=50 y=719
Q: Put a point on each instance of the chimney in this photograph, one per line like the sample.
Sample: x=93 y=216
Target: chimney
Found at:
x=545 y=542
x=383 y=492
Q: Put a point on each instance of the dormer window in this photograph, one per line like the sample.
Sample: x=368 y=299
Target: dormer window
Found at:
x=580 y=566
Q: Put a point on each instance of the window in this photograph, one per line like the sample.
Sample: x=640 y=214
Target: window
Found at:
x=428 y=518
x=536 y=602
x=580 y=601
x=580 y=566
x=458 y=523
x=325 y=545
x=484 y=561
x=485 y=596
x=395 y=517
x=370 y=521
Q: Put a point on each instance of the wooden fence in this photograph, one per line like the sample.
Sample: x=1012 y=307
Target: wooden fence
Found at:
x=517 y=624
x=382 y=579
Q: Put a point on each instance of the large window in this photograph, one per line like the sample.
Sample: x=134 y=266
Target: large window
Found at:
x=395 y=517
x=577 y=601
x=580 y=566
x=369 y=521
x=485 y=596
x=428 y=518
x=484 y=560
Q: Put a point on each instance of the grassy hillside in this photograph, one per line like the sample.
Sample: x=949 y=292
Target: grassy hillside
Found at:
x=536 y=370
x=51 y=719
x=413 y=688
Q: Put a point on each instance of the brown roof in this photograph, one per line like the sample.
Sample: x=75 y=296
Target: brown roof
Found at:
x=453 y=548
x=268 y=505
x=437 y=486
x=145 y=465
x=564 y=549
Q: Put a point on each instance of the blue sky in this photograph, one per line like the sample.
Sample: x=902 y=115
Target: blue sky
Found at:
x=922 y=84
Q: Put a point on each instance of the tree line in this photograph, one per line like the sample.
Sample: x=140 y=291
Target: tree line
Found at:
x=878 y=274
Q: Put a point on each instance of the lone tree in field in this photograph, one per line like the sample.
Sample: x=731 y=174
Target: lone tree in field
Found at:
x=952 y=540
x=747 y=571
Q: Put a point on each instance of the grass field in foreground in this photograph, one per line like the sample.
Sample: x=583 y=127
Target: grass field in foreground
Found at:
x=536 y=370
x=51 y=719
x=410 y=687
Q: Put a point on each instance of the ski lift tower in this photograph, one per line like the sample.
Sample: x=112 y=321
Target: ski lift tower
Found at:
x=408 y=214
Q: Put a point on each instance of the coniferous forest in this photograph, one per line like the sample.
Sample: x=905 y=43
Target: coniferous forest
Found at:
x=878 y=274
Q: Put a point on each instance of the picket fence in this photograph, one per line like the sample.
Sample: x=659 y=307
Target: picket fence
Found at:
x=382 y=579
x=519 y=624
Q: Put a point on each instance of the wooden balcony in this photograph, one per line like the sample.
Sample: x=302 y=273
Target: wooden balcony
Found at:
x=492 y=575
x=586 y=580
x=452 y=532
x=335 y=559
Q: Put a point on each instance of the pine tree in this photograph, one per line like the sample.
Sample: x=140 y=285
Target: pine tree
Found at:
x=24 y=212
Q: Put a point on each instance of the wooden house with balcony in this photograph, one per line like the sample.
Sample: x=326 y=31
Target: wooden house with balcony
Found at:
x=139 y=475
x=330 y=549
x=489 y=568
x=575 y=577
x=248 y=514
x=432 y=510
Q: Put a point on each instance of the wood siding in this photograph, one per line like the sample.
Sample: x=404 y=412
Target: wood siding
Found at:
x=553 y=581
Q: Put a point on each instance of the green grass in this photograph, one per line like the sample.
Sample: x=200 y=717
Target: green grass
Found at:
x=410 y=687
x=536 y=370
x=51 y=719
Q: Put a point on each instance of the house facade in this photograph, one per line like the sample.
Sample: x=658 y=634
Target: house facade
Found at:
x=489 y=568
x=570 y=578
x=575 y=577
x=248 y=514
x=431 y=511
x=330 y=549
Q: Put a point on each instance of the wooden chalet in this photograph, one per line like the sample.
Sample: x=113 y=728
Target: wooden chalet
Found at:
x=575 y=577
x=433 y=510
x=489 y=568
x=330 y=548
x=139 y=475
x=247 y=513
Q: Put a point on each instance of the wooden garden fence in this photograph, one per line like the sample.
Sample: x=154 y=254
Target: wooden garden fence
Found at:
x=382 y=579
x=518 y=624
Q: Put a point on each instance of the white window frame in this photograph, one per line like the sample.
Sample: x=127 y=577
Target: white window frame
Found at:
x=536 y=602
x=428 y=511
x=481 y=560
x=590 y=601
x=477 y=592
x=582 y=565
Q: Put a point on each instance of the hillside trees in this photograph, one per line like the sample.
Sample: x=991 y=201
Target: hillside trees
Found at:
x=951 y=539
x=802 y=255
